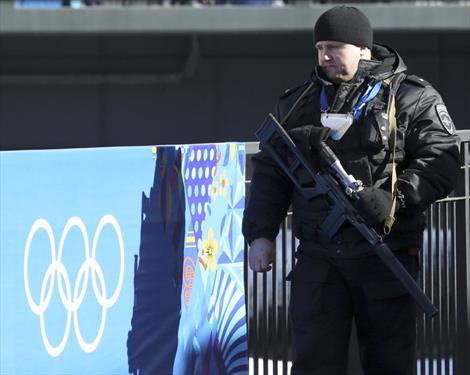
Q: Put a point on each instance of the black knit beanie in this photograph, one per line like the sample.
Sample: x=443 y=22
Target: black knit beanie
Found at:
x=344 y=24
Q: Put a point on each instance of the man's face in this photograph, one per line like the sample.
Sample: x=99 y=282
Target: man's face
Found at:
x=339 y=61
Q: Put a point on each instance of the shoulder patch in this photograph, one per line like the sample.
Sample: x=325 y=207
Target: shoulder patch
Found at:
x=293 y=89
x=417 y=81
x=445 y=119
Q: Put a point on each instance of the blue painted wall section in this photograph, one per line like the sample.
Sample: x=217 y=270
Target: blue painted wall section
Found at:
x=212 y=334
x=123 y=260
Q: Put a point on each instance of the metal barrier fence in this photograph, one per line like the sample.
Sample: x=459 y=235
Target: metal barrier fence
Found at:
x=443 y=344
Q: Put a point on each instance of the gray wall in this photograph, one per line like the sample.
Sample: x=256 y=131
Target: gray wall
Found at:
x=105 y=90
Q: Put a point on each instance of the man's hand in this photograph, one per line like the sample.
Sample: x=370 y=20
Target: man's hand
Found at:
x=309 y=136
x=261 y=255
x=374 y=205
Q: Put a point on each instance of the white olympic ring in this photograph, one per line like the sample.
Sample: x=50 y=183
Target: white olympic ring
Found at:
x=57 y=269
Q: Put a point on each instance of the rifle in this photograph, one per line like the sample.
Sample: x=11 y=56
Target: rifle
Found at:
x=341 y=189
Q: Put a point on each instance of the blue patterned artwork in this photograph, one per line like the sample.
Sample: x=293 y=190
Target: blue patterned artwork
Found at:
x=123 y=260
x=212 y=335
x=191 y=243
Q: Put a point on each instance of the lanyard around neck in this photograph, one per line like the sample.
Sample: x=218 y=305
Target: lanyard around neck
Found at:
x=371 y=93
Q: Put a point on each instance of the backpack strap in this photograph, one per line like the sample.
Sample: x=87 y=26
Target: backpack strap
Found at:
x=286 y=117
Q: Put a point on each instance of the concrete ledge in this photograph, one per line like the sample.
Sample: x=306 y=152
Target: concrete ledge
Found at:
x=155 y=19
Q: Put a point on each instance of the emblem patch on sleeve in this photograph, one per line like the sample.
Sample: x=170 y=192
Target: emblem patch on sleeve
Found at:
x=445 y=119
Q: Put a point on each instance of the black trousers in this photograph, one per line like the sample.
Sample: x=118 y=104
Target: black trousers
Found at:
x=326 y=293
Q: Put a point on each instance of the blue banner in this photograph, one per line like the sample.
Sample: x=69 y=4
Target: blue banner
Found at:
x=123 y=260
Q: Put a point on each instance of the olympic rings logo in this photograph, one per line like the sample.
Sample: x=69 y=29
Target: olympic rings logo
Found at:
x=57 y=270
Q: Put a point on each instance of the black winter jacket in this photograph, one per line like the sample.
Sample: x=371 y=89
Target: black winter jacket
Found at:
x=426 y=155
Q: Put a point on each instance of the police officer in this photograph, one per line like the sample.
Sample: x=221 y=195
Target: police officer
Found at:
x=378 y=120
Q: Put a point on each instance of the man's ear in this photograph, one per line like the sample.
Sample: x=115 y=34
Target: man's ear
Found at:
x=365 y=53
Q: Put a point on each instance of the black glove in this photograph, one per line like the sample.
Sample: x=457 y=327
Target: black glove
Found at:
x=374 y=205
x=307 y=138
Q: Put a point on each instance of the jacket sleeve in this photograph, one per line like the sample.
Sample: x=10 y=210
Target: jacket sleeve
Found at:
x=432 y=154
x=269 y=198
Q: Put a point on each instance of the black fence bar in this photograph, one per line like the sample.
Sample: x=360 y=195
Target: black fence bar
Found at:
x=255 y=325
x=265 y=326
x=434 y=249
x=454 y=277
x=274 y=313
x=292 y=264
x=451 y=323
x=421 y=330
x=248 y=302
x=442 y=344
x=439 y=287
x=466 y=154
x=284 y=320
x=445 y=289
x=282 y=346
x=428 y=289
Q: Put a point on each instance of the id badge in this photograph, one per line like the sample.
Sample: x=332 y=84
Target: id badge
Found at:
x=338 y=123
